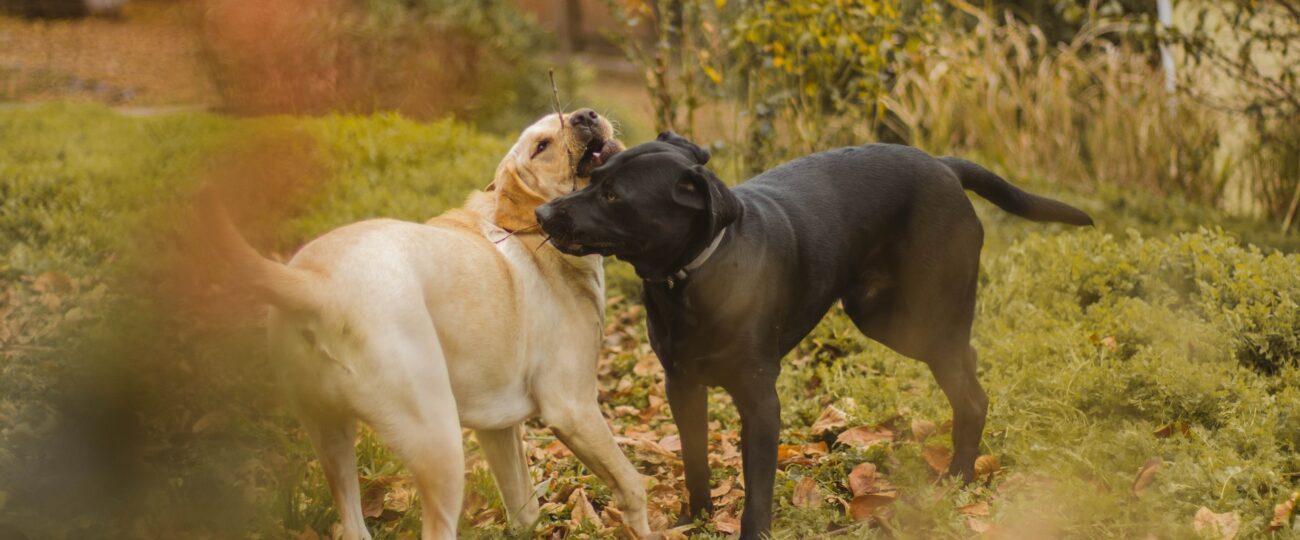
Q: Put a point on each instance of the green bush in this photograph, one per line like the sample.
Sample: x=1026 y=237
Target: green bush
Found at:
x=1090 y=345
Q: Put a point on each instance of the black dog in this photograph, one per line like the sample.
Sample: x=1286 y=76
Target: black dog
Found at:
x=735 y=278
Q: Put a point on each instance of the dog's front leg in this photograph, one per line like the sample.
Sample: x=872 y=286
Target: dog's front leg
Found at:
x=690 y=405
x=760 y=430
x=582 y=428
x=508 y=458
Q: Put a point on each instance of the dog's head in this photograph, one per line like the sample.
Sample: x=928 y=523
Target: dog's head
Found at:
x=651 y=206
x=551 y=158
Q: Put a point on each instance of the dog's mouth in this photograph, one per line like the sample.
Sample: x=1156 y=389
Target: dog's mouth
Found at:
x=597 y=151
x=580 y=249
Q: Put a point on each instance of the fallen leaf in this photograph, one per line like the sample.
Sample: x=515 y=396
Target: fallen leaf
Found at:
x=1282 y=513
x=864 y=437
x=52 y=281
x=1110 y=343
x=786 y=452
x=474 y=503
x=986 y=465
x=937 y=457
x=790 y=453
x=726 y=523
x=1146 y=474
x=645 y=365
x=806 y=493
x=830 y=418
x=557 y=449
x=922 y=429
x=723 y=488
x=975 y=509
x=671 y=443
x=864 y=506
x=861 y=478
x=372 y=495
x=978 y=525
x=208 y=422
x=1223 y=525
x=612 y=515
x=678 y=533
x=582 y=510
x=484 y=518
x=1168 y=430
x=400 y=497
x=815 y=449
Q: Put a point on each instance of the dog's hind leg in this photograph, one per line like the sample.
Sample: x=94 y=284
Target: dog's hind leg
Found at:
x=956 y=376
x=414 y=412
x=335 y=442
x=504 y=449
x=582 y=428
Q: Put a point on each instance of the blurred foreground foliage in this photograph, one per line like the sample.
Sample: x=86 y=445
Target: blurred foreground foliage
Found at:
x=135 y=402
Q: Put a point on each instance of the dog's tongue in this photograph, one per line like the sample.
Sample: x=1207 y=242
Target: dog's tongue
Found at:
x=609 y=149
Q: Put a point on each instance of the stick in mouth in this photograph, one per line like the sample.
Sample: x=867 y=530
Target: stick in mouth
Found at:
x=555 y=95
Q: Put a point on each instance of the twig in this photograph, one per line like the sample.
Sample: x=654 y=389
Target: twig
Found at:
x=840 y=532
x=514 y=232
x=555 y=93
x=539 y=246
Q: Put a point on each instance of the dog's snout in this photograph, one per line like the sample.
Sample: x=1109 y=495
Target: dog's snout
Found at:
x=554 y=221
x=584 y=117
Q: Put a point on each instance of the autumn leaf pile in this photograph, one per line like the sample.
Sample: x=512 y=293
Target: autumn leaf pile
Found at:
x=1142 y=384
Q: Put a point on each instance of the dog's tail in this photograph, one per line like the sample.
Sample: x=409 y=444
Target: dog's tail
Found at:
x=287 y=288
x=1011 y=198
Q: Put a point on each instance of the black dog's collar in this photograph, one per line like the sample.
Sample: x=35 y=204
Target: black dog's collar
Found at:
x=695 y=264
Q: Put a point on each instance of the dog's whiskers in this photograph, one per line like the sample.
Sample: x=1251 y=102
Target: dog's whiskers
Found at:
x=539 y=246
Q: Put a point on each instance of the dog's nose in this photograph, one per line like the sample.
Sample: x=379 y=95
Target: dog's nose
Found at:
x=584 y=117
x=553 y=221
x=543 y=214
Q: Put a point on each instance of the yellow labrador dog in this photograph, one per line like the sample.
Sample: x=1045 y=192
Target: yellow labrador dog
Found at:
x=467 y=320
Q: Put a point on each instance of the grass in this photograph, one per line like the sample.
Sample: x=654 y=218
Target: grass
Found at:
x=1155 y=335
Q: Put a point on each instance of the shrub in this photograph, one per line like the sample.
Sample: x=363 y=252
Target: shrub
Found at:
x=425 y=58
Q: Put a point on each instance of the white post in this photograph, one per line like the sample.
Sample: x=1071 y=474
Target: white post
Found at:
x=1165 y=11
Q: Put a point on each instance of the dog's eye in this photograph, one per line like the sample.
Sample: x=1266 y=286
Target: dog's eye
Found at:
x=610 y=196
x=541 y=146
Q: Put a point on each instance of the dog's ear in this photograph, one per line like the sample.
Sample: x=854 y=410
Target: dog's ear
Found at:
x=702 y=190
x=692 y=150
x=515 y=199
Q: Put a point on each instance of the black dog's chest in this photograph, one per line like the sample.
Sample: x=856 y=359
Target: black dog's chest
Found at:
x=693 y=342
